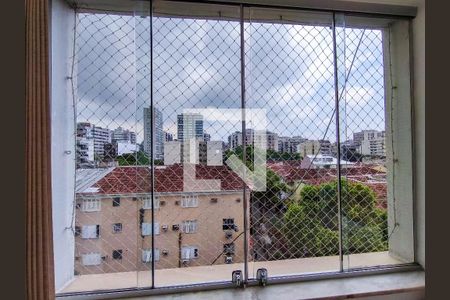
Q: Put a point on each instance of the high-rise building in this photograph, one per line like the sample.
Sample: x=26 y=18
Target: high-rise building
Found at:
x=84 y=152
x=189 y=125
x=257 y=138
x=370 y=142
x=99 y=135
x=289 y=144
x=312 y=147
x=123 y=135
x=168 y=136
x=158 y=132
x=206 y=137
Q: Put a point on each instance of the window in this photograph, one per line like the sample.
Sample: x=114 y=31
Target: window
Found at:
x=189 y=201
x=90 y=231
x=189 y=252
x=91 y=259
x=147 y=255
x=117 y=227
x=89 y=205
x=117 y=254
x=332 y=118
x=147 y=229
x=228 y=224
x=189 y=226
x=147 y=202
x=116 y=201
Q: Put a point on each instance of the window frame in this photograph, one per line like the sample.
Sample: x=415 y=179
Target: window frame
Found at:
x=298 y=278
x=189 y=201
x=91 y=205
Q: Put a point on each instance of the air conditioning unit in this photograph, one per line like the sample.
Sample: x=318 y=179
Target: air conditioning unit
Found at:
x=165 y=227
x=165 y=252
x=185 y=262
x=175 y=227
x=228 y=259
x=228 y=234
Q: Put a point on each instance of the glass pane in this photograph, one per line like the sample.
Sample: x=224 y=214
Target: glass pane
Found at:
x=196 y=90
x=289 y=75
x=112 y=171
x=370 y=205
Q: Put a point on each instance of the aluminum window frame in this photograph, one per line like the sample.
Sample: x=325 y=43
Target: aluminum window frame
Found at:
x=357 y=18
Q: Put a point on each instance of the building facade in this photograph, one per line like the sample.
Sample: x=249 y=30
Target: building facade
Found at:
x=259 y=139
x=99 y=135
x=289 y=144
x=312 y=147
x=159 y=134
x=123 y=135
x=370 y=142
x=114 y=229
x=189 y=126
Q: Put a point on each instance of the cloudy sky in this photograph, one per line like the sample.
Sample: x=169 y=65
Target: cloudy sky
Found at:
x=289 y=73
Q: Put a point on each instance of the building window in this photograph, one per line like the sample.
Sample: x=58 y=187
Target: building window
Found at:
x=147 y=229
x=228 y=224
x=117 y=254
x=90 y=231
x=91 y=259
x=89 y=205
x=189 y=252
x=147 y=202
x=189 y=226
x=147 y=255
x=117 y=227
x=189 y=201
x=116 y=201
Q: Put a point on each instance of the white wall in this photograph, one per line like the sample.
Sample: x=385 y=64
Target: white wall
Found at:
x=62 y=140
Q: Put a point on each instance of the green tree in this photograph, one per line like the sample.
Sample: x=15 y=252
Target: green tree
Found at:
x=311 y=224
x=132 y=159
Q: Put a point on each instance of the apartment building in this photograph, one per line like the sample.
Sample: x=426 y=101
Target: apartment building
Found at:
x=287 y=144
x=189 y=126
x=257 y=138
x=370 y=142
x=99 y=135
x=312 y=147
x=194 y=151
x=114 y=224
x=154 y=115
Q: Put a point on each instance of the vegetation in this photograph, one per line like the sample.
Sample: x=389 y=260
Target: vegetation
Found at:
x=139 y=158
x=311 y=224
x=274 y=185
x=271 y=155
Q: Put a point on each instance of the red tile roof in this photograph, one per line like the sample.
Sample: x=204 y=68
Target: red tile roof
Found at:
x=168 y=179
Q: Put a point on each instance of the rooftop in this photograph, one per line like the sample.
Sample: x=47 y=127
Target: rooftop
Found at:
x=168 y=179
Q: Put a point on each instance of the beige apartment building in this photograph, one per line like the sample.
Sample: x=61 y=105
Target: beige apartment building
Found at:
x=198 y=227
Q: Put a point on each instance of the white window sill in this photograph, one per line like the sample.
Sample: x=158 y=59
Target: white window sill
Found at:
x=403 y=285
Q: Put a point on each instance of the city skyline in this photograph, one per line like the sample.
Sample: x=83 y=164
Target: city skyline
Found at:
x=184 y=79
